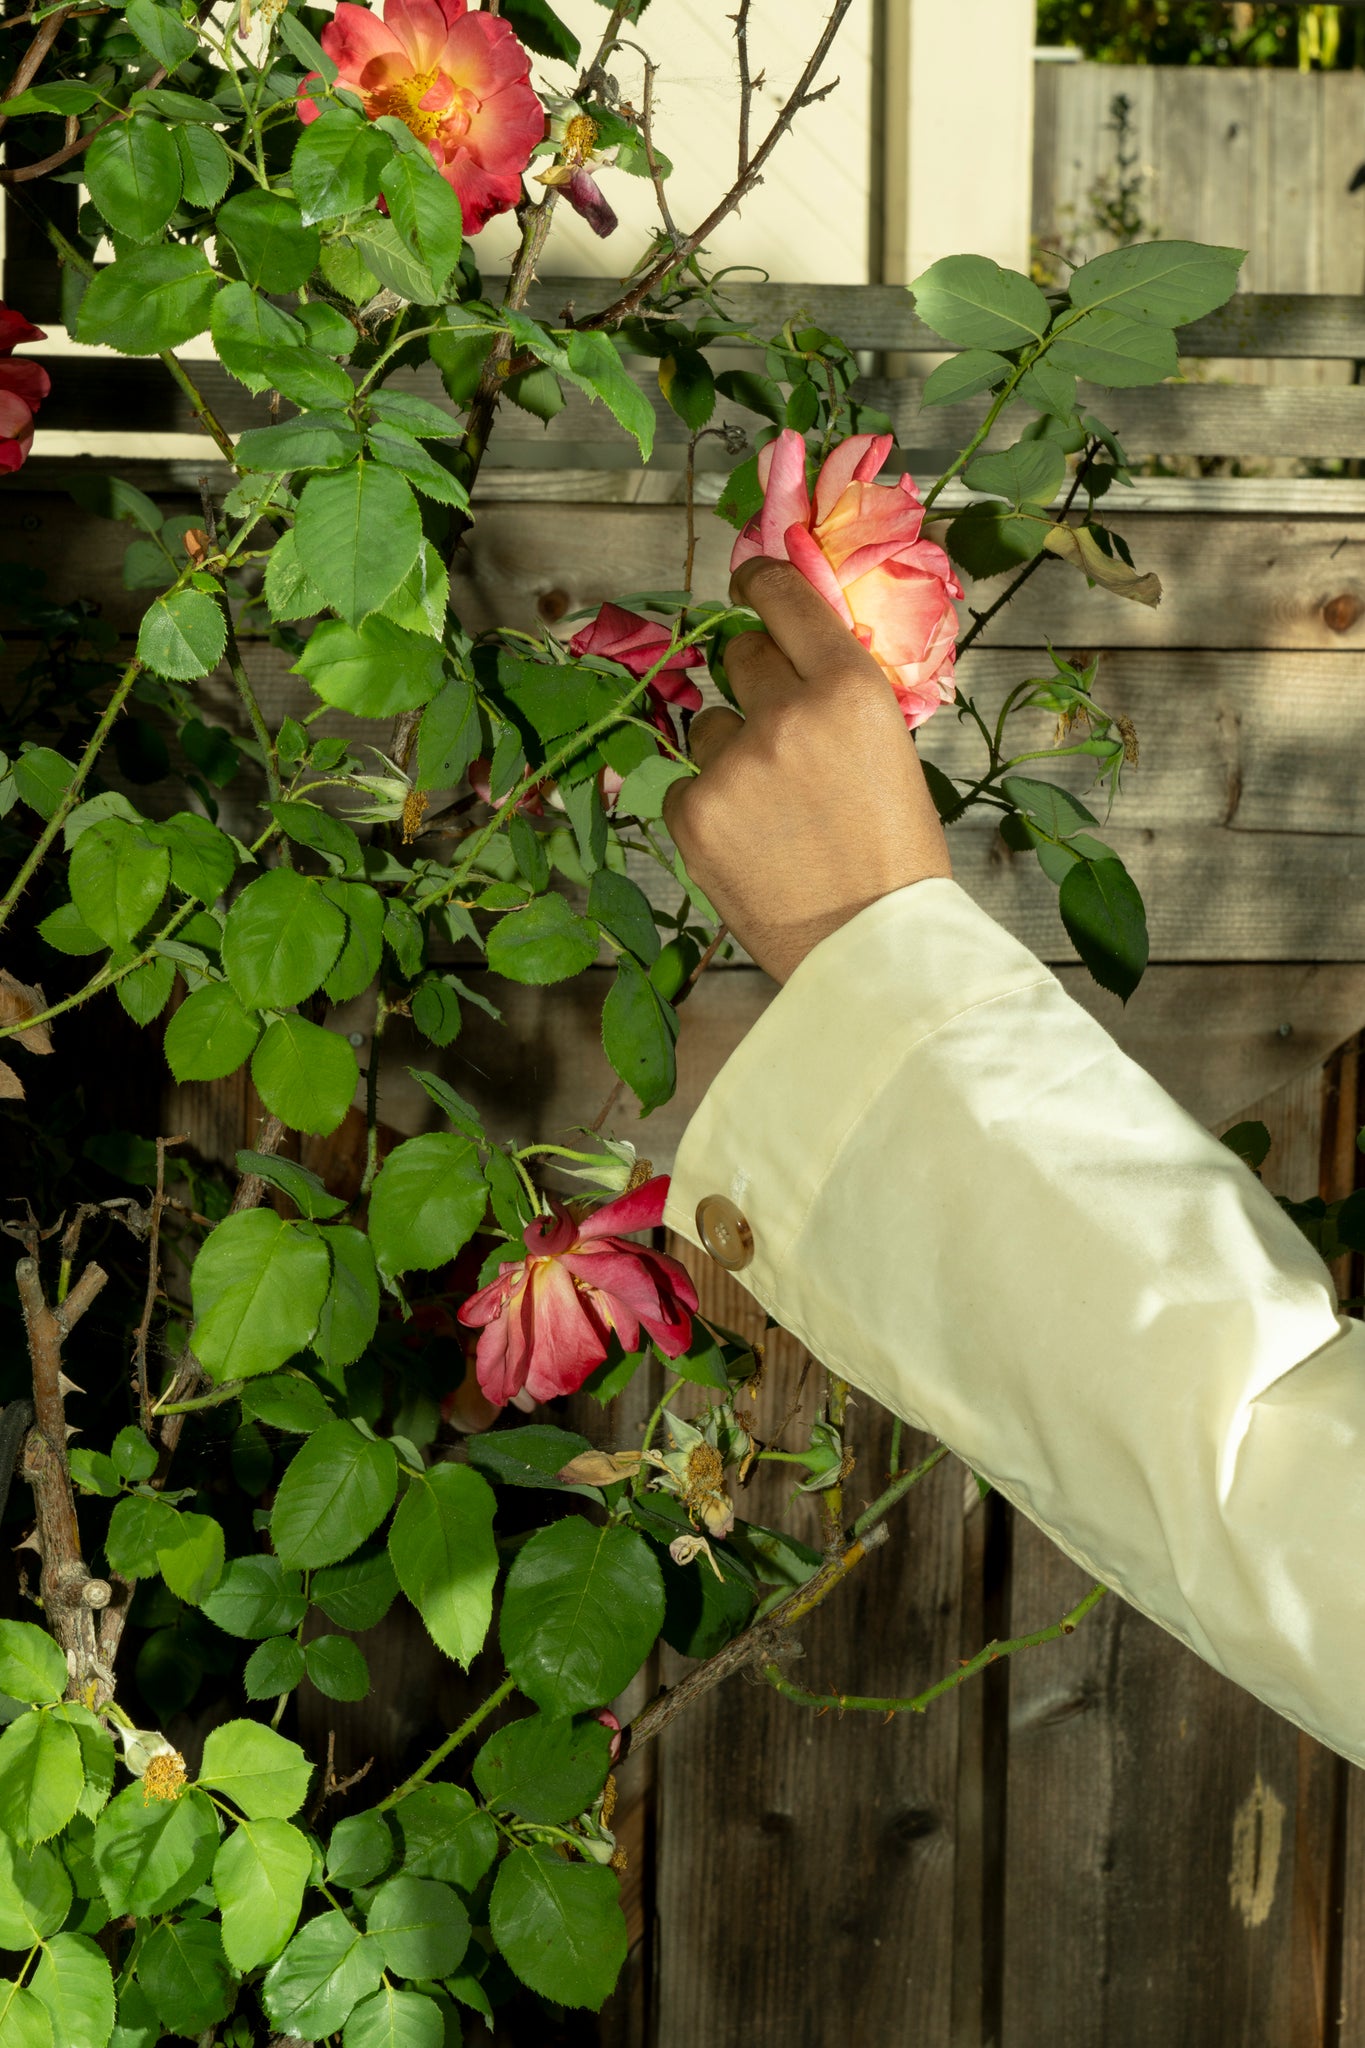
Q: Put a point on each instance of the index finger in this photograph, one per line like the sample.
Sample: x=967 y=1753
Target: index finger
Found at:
x=808 y=630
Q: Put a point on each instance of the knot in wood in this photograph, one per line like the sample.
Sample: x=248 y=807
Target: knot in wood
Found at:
x=552 y=605
x=1341 y=612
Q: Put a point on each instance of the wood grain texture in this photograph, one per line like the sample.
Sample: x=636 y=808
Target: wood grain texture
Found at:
x=1172 y=1861
x=806 y=1865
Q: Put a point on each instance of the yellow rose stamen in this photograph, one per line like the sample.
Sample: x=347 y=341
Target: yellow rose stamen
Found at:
x=164 y=1777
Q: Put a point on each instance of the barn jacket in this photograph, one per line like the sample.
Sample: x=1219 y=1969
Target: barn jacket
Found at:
x=945 y=1179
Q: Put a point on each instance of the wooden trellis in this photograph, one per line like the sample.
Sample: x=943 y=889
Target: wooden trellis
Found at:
x=1101 y=1844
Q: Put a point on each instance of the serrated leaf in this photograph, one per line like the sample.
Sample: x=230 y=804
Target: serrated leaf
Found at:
x=581 y=1611
x=258 y=1288
x=374 y=670
x=282 y=936
x=151 y=1854
x=443 y=1552
x=336 y=1492
x=306 y=1075
x=182 y=635
x=358 y=532
x=1106 y=923
x=560 y=1926
x=258 y=1770
x=327 y=1969
x=427 y=1202
x=1164 y=283
x=974 y=303
x=149 y=300
x=210 y=1035
x=259 y=1879
x=40 y=1777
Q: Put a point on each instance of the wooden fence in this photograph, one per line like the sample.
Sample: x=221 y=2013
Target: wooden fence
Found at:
x=1101 y=1844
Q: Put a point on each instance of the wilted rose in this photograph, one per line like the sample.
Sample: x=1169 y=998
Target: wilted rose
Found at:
x=547 y=1319
x=858 y=543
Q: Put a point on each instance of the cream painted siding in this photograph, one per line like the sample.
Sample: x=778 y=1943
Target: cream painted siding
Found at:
x=808 y=220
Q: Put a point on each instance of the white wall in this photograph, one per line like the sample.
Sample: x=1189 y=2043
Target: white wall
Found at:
x=808 y=222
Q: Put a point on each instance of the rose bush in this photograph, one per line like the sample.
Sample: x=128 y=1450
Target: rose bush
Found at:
x=303 y=1441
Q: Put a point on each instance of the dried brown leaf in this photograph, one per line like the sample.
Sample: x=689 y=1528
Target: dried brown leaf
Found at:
x=1078 y=545
x=17 y=1004
x=599 y=1468
x=11 y=1087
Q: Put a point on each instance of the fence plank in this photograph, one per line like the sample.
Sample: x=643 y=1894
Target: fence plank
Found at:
x=1174 y=419
x=1202 y=1916
x=836 y=1837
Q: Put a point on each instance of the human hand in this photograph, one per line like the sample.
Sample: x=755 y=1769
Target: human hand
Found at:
x=813 y=804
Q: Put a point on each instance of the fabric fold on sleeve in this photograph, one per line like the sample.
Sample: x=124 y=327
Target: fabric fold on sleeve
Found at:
x=970 y=1203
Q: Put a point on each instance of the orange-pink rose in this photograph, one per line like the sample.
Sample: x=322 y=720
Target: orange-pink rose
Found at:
x=858 y=543
x=459 y=81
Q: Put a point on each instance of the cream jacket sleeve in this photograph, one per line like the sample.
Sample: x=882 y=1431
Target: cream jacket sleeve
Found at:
x=967 y=1201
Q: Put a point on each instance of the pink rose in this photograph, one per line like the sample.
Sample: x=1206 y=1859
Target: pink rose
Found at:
x=459 y=81
x=859 y=545
x=546 y=1319
x=637 y=643
x=23 y=387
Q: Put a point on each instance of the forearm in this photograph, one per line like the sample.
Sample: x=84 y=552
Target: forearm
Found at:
x=965 y=1199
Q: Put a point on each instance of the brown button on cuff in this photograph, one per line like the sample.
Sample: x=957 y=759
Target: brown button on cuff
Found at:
x=725 y=1233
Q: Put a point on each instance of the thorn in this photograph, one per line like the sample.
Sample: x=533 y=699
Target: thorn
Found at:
x=72 y=1429
x=67 y=1386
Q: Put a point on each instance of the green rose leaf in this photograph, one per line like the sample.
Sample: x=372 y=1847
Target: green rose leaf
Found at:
x=594 y=365
x=282 y=935
x=1109 y=348
x=544 y=943
x=258 y=1288
x=1106 y=923
x=973 y=303
x=420 y=1926
x=305 y=1074
x=272 y=245
x=426 y=213
x=337 y=1490
x=358 y=1592
x=373 y=671
x=149 y=300
x=75 y=1983
x=185 y=1974
x=350 y=1313
x=338 y=162
x=145 y=992
x=203 y=859
x=307 y=824
x=395 y=2019
x=545 y=1768
x=359 y=959
x=259 y=1879
x=443 y=1552
x=427 y=1202
x=210 y=1034
x=118 y=876
x=316 y=440
x=322 y=1976
x=40 y=1777
x=151 y=1854
x=337 y=1667
x=621 y=907
x=274 y=1667
x=290 y=592
x=135 y=1528
x=132 y=169
x=183 y=635
x=258 y=1770
x=560 y=1926
x=642 y=792
x=963 y=376
x=31 y=1665
x=638 y=1036
x=35 y=1895
x=985 y=540
x=205 y=166
x=26 y=2022
x=361 y=1849
x=358 y=532
x=1164 y=283
x=255 y=1596
x=580 y=1614
x=303 y=1188
x=288 y=1401
x=189 y=1552
x=1030 y=473
x=160 y=30
x=444 y=1834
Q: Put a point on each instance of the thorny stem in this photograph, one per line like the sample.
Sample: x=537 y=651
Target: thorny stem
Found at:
x=900 y=1485
x=72 y=794
x=144 y=1394
x=757 y=1643
x=832 y=1497
x=747 y=85
x=980 y=620
x=237 y=670
x=960 y=462
x=381 y=1012
x=443 y=1749
x=30 y=63
x=854 y=1703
